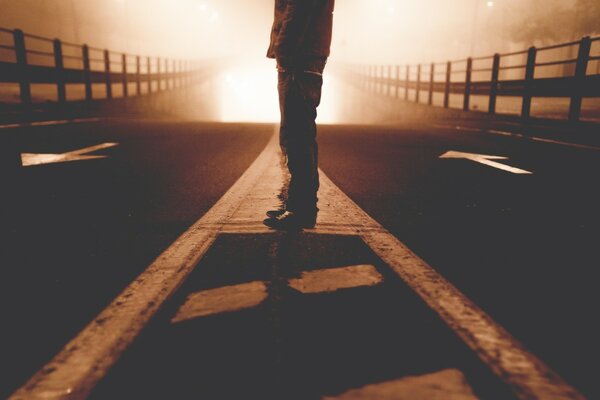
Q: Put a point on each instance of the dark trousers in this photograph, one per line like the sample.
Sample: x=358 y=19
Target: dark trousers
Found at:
x=299 y=88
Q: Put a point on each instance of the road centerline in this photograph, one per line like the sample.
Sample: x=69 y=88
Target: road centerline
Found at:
x=74 y=372
x=85 y=360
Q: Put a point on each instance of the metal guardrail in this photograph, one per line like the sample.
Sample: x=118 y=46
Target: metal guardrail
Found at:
x=423 y=79
x=155 y=73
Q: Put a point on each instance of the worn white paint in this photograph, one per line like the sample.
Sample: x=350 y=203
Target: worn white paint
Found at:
x=76 y=369
x=222 y=300
x=448 y=384
x=31 y=159
x=333 y=279
x=486 y=160
x=87 y=358
x=518 y=135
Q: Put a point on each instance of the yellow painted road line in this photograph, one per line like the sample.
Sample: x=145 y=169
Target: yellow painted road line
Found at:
x=74 y=372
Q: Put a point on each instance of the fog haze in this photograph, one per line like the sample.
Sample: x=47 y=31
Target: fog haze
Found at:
x=380 y=31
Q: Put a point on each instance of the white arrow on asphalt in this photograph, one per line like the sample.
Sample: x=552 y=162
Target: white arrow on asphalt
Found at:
x=486 y=160
x=30 y=159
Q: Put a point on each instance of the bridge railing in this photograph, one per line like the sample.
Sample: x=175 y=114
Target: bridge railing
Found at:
x=27 y=59
x=527 y=74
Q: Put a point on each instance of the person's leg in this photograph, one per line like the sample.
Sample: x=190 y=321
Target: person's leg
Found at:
x=300 y=95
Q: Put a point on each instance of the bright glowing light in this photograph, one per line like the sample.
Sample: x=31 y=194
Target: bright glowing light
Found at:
x=490 y=4
x=202 y=7
x=248 y=93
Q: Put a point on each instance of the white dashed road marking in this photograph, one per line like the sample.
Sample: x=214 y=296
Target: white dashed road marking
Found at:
x=222 y=300
x=331 y=280
x=518 y=135
x=449 y=384
x=248 y=295
x=86 y=359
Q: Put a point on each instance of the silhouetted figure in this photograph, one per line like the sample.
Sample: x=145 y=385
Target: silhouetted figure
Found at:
x=300 y=42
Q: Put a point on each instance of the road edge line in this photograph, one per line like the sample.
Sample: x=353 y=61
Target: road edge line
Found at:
x=523 y=371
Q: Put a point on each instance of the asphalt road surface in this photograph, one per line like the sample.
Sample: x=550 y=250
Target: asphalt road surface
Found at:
x=518 y=235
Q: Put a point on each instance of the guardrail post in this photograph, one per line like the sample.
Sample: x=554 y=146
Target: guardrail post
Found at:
x=168 y=71
x=406 y=82
x=529 y=75
x=583 y=58
x=149 y=74
x=374 y=78
x=21 y=53
x=107 y=74
x=59 y=66
x=158 y=74
x=431 y=83
x=186 y=68
x=397 y=94
x=363 y=77
x=173 y=76
x=87 y=79
x=418 y=83
x=448 y=82
x=125 y=80
x=494 y=84
x=138 y=78
x=389 y=81
x=467 y=96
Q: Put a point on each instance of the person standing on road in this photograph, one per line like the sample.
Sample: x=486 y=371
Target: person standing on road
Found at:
x=300 y=43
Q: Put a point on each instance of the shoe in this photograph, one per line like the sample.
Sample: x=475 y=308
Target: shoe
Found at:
x=289 y=220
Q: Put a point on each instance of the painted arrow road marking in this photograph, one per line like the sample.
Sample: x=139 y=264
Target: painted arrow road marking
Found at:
x=31 y=159
x=486 y=160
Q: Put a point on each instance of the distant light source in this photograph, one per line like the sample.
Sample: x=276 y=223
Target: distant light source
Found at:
x=490 y=4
